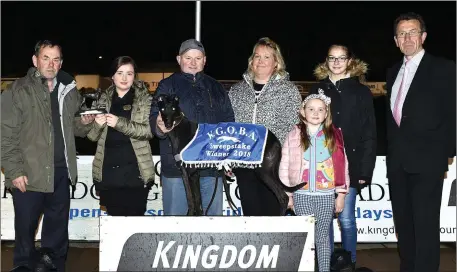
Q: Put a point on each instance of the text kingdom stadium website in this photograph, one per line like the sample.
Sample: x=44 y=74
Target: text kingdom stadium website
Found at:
x=367 y=230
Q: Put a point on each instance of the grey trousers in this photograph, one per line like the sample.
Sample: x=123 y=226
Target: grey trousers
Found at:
x=322 y=206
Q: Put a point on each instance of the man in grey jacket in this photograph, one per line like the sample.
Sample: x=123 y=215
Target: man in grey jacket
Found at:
x=38 y=127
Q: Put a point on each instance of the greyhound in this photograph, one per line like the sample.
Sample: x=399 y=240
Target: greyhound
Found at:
x=182 y=132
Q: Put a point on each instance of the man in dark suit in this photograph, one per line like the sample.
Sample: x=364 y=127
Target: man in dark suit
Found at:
x=421 y=137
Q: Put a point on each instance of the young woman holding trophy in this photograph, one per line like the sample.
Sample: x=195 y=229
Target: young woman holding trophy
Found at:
x=123 y=170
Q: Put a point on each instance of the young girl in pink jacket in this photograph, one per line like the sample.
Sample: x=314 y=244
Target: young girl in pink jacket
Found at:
x=313 y=153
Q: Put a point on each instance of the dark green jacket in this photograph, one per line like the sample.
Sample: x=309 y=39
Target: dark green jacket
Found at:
x=137 y=129
x=27 y=130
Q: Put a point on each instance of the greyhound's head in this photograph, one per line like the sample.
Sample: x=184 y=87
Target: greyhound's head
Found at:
x=169 y=109
x=89 y=96
x=90 y=93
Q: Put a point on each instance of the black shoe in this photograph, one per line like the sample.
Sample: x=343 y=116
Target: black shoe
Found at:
x=46 y=262
x=21 y=268
x=40 y=268
x=341 y=261
x=347 y=269
x=363 y=269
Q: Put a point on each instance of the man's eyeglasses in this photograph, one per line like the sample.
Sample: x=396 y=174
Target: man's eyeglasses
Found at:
x=340 y=59
x=412 y=33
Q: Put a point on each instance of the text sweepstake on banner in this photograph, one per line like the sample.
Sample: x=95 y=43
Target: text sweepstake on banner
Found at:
x=226 y=144
x=373 y=209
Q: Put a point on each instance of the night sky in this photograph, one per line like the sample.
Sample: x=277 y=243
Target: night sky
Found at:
x=151 y=33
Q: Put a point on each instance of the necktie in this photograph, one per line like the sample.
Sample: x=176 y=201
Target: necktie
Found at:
x=398 y=104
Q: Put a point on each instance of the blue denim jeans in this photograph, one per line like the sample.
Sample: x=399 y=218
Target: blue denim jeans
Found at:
x=175 y=201
x=347 y=224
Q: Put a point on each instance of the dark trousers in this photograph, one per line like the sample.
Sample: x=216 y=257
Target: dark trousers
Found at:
x=125 y=202
x=28 y=207
x=256 y=198
x=416 y=205
x=125 y=211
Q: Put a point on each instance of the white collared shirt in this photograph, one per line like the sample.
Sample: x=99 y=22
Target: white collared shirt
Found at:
x=413 y=64
x=54 y=83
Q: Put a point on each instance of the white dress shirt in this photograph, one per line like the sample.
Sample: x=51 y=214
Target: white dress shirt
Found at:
x=413 y=64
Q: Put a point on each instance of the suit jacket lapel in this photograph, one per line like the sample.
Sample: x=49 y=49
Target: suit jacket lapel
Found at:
x=392 y=76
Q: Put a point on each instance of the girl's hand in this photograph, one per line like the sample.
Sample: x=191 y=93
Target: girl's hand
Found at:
x=111 y=120
x=100 y=119
x=339 y=203
x=87 y=118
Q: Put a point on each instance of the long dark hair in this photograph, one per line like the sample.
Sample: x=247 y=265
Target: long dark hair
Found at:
x=123 y=60
x=328 y=131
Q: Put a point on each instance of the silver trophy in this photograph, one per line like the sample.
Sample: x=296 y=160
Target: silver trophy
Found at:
x=90 y=103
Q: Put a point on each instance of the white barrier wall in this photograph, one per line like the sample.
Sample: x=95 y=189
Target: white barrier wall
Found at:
x=201 y=243
x=373 y=208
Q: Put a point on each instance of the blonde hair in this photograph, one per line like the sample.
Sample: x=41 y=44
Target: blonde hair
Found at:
x=280 y=64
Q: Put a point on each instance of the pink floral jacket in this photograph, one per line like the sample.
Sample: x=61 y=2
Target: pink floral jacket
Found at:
x=293 y=168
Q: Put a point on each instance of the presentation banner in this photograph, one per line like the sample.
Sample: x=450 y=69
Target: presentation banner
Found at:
x=373 y=207
x=182 y=243
x=374 y=215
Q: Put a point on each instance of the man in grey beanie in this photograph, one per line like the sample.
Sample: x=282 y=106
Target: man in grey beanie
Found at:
x=202 y=100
